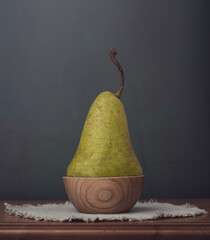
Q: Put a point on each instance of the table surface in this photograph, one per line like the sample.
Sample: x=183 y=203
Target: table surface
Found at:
x=191 y=228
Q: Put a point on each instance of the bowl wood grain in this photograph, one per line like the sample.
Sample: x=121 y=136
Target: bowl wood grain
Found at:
x=103 y=195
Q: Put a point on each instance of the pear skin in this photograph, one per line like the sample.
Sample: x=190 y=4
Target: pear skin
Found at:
x=105 y=148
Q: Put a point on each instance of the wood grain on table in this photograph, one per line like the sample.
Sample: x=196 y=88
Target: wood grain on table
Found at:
x=191 y=228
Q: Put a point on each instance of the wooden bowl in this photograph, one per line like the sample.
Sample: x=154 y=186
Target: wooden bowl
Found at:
x=103 y=195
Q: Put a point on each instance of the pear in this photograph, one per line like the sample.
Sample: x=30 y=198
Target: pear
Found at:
x=105 y=148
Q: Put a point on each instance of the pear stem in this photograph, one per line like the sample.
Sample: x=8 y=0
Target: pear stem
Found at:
x=113 y=53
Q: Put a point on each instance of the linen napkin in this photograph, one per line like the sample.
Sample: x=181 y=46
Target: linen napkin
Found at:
x=66 y=212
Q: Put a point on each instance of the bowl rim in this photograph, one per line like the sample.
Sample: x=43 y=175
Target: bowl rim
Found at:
x=65 y=177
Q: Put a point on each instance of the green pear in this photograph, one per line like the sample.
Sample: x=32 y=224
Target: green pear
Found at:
x=105 y=148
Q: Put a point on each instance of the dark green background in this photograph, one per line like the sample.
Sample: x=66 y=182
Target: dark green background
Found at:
x=54 y=62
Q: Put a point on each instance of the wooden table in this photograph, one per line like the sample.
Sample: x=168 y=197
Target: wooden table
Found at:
x=178 y=228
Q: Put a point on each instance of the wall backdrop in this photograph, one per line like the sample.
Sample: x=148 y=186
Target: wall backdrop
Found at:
x=54 y=62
